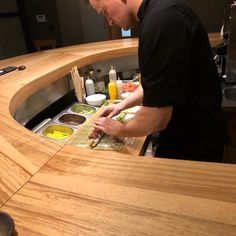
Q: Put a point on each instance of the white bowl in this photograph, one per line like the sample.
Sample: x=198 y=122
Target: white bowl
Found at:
x=96 y=99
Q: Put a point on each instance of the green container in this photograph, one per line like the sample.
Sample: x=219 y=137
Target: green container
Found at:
x=83 y=109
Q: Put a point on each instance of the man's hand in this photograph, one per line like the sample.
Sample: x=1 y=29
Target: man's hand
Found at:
x=146 y=121
x=110 y=111
x=94 y=134
x=111 y=127
x=108 y=126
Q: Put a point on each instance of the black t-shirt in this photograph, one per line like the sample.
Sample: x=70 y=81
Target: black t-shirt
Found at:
x=178 y=70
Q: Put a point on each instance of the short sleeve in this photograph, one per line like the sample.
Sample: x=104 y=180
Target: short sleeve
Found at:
x=164 y=58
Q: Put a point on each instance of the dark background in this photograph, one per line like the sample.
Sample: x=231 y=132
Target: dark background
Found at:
x=71 y=22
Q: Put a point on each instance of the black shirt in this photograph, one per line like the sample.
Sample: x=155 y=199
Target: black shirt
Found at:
x=178 y=70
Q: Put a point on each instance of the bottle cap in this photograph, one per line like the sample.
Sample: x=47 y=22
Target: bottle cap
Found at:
x=112 y=74
x=119 y=81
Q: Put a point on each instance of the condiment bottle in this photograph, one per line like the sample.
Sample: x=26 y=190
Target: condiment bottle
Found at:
x=94 y=79
x=89 y=85
x=119 y=87
x=112 y=84
x=100 y=83
x=112 y=90
x=112 y=74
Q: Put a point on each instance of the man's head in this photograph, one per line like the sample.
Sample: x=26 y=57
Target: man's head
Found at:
x=119 y=12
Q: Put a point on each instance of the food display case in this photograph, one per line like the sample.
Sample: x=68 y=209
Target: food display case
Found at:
x=55 y=114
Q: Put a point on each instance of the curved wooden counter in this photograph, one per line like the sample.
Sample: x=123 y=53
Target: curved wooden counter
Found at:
x=42 y=69
x=54 y=189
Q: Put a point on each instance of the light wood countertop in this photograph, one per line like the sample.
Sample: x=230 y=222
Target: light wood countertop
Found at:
x=94 y=194
x=64 y=190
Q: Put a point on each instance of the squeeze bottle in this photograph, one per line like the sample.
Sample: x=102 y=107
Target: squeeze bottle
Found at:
x=89 y=85
x=94 y=79
x=100 y=83
x=119 y=87
x=112 y=84
x=112 y=74
x=112 y=90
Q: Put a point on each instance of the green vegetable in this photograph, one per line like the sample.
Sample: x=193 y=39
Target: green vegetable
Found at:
x=106 y=103
x=121 y=116
x=83 y=109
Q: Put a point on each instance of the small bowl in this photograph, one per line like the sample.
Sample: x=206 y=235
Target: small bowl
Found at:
x=96 y=99
x=6 y=224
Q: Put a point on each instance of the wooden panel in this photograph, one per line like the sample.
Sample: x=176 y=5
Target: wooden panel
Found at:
x=22 y=154
x=90 y=193
x=15 y=156
x=36 y=149
x=215 y=39
x=12 y=177
x=42 y=44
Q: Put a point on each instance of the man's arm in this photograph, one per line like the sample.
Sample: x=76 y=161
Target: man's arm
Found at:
x=134 y=99
x=148 y=120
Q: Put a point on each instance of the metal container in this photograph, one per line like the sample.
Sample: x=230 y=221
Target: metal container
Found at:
x=72 y=119
x=83 y=109
x=57 y=132
x=42 y=99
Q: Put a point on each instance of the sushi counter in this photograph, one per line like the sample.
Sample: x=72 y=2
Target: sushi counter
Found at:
x=74 y=125
x=53 y=187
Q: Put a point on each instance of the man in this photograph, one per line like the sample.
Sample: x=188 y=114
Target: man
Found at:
x=180 y=92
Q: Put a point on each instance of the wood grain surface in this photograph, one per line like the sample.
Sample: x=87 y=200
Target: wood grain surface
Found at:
x=70 y=191
x=42 y=69
x=14 y=170
x=88 y=193
x=215 y=39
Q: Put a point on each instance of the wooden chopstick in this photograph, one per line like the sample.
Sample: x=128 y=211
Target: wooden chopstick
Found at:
x=77 y=81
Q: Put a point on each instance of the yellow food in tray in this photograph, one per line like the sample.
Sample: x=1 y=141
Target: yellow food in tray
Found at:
x=58 y=132
x=58 y=135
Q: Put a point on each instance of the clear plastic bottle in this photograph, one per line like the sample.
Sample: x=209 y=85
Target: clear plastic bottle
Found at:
x=112 y=74
x=112 y=84
x=92 y=76
x=89 y=85
x=119 y=87
x=100 y=82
